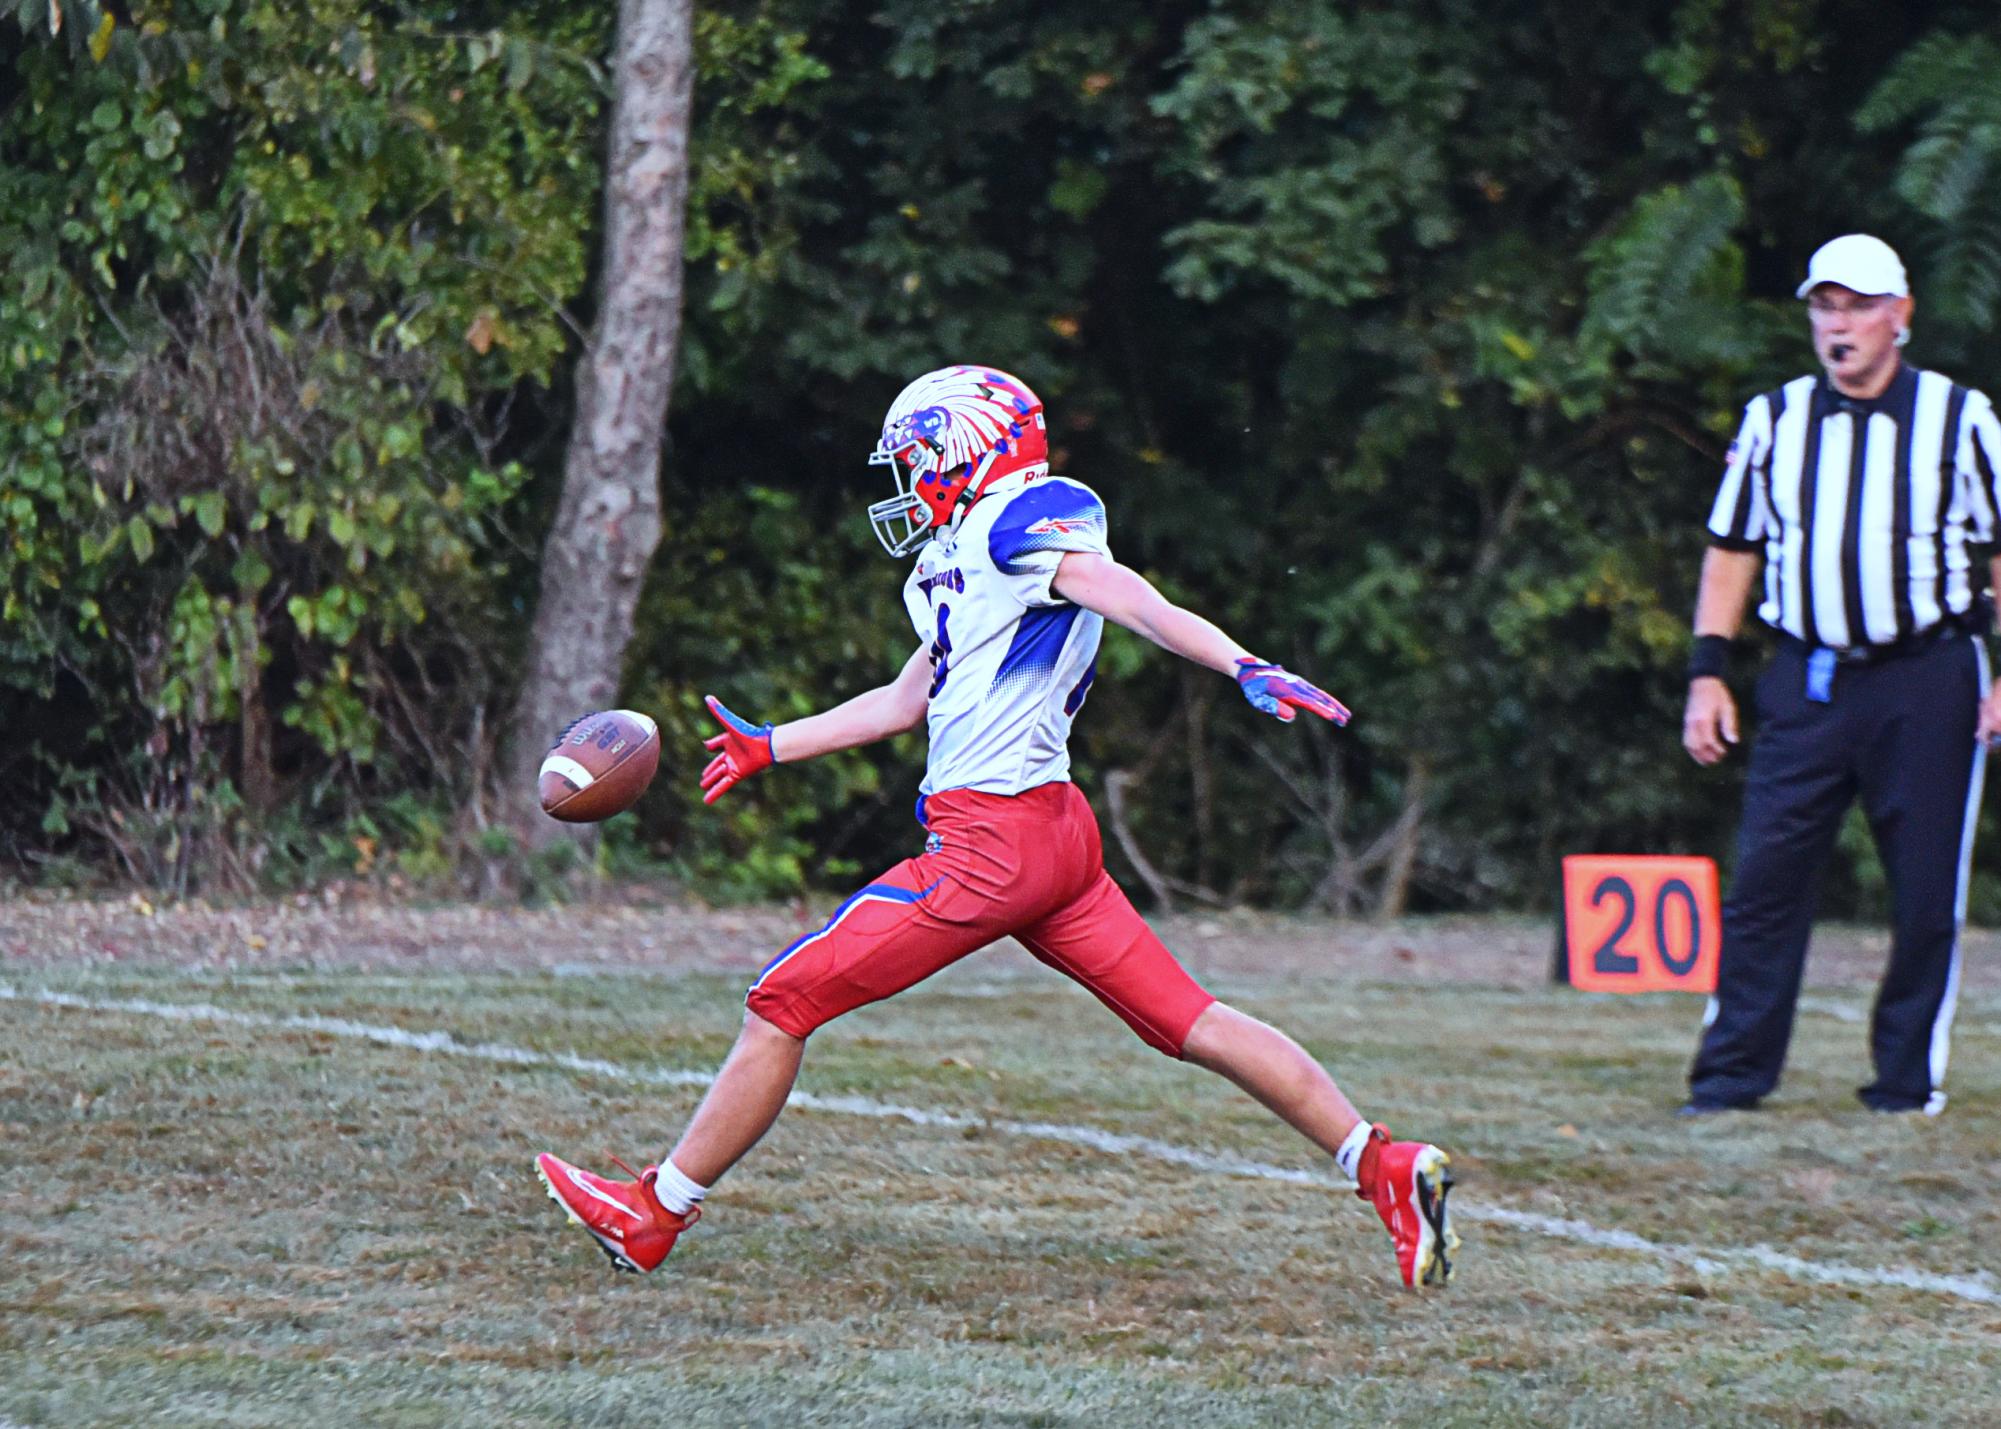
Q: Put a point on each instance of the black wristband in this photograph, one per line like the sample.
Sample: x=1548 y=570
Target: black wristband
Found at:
x=1710 y=658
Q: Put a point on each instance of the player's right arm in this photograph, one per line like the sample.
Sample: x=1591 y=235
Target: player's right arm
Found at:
x=1709 y=723
x=742 y=749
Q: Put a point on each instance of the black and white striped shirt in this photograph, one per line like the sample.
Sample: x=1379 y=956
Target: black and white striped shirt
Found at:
x=1864 y=508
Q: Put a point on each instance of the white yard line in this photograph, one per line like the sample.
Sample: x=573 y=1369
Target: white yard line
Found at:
x=1839 y=1011
x=1979 y=1287
x=990 y=984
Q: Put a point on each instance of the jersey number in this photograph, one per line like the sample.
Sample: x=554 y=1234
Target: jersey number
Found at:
x=941 y=653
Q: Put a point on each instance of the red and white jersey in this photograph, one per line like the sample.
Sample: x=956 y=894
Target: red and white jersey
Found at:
x=1011 y=661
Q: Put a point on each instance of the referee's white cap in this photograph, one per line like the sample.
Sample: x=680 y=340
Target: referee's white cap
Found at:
x=1861 y=264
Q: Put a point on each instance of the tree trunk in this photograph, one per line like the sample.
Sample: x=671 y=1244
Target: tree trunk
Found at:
x=1395 y=895
x=608 y=520
x=256 y=779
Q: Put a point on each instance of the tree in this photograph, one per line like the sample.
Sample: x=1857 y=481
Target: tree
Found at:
x=276 y=286
x=608 y=518
x=1403 y=339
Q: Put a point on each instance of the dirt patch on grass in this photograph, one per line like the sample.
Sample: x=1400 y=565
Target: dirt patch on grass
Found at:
x=633 y=930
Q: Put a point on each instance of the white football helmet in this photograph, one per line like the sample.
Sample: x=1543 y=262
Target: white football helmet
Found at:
x=946 y=438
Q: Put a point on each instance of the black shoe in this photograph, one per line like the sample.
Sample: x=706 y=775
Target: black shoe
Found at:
x=1698 y=1106
x=1895 y=1108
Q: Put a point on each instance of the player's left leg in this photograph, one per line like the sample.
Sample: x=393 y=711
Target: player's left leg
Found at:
x=1100 y=940
x=1274 y=1069
x=1406 y=1181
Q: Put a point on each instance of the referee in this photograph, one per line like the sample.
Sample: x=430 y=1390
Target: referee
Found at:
x=1860 y=490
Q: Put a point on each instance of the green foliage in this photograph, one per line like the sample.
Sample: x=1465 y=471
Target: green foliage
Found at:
x=1951 y=173
x=1668 y=285
x=270 y=276
x=1401 y=339
x=1317 y=134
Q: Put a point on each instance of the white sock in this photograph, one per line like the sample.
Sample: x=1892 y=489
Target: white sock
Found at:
x=1348 y=1158
x=676 y=1192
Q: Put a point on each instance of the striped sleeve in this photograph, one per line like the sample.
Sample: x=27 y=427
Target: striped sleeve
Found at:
x=1741 y=518
x=1979 y=461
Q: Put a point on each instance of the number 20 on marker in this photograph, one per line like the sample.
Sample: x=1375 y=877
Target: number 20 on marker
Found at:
x=1641 y=923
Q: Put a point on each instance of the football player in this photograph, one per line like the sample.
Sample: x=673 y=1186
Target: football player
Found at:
x=1012 y=584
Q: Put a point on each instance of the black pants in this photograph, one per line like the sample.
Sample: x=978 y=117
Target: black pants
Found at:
x=1901 y=734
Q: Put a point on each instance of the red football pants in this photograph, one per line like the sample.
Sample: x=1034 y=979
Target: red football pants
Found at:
x=1028 y=865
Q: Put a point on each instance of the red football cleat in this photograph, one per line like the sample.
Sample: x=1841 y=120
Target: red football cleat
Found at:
x=1408 y=1182
x=625 y=1218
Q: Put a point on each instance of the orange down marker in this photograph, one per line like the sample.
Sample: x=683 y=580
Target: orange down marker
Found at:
x=1641 y=922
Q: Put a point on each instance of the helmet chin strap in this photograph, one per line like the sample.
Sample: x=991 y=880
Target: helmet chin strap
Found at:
x=974 y=489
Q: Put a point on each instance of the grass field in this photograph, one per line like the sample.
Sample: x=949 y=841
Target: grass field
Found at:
x=295 y=1187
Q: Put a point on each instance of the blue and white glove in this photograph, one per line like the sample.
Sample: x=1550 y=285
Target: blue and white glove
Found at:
x=1279 y=693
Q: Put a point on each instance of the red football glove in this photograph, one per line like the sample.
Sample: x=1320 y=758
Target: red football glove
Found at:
x=743 y=749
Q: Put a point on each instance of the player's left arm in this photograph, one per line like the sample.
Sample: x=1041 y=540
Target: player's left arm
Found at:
x=1124 y=596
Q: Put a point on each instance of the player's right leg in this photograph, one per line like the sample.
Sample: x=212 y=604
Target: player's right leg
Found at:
x=921 y=916
x=627 y=1219
x=636 y=1222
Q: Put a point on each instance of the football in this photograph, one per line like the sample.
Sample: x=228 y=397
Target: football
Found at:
x=599 y=766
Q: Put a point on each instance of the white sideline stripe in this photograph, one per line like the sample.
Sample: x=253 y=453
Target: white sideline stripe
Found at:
x=991 y=986
x=1839 y=1011
x=443 y=1042
x=1978 y=1286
